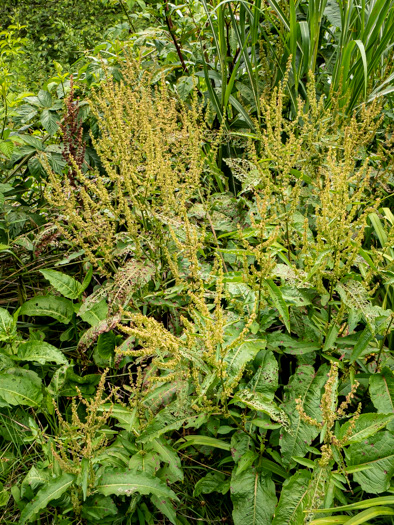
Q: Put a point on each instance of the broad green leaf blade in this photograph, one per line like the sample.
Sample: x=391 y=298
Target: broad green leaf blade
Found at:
x=165 y=507
x=377 y=453
x=7 y=325
x=307 y=385
x=381 y=390
x=94 y=313
x=52 y=490
x=127 y=482
x=363 y=341
x=63 y=283
x=59 y=308
x=279 y=302
x=205 y=441
x=127 y=417
x=168 y=455
x=171 y=418
x=98 y=507
x=19 y=390
x=40 y=352
x=366 y=425
x=239 y=356
x=253 y=497
x=290 y=509
x=265 y=380
x=260 y=403
x=50 y=121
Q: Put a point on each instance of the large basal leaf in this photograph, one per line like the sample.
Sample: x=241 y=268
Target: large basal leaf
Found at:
x=365 y=426
x=376 y=454
x=40 y=352
x=59 y=308
x=19 y=390
x=381 y=389
x=124 y=482
x=52 y=490
x=307 y=385
x=7 y=325
x=253 y=497
x=290 y=509
x=265 y=380
x=63 y=283
x=259 y=402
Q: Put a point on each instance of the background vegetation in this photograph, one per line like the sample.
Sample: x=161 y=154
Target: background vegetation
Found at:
x=196 y=246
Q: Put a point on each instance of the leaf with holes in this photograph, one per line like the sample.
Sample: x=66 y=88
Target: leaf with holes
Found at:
x=40 y=352
x=59 y=308
x=19 y=390
x=124 y=482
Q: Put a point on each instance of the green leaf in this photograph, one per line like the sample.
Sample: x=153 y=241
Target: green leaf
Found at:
x=168 y=455
x=366 y=426
x=205 y=441
x=50 y=121
x=127 y=482
x=370 y=514
x=239 y=356
x=381 y=390
x=265 y=380
x=259 y=402
x=40 y=352
x=98 y=507
x=52 y=490
x=307 y=385
x=19 y=390
x=44 y=98
x=330 y=520
x=86 y=281
x=377 y=454
x=362 y=343
x=50 y=306
x=7 y=325
x=171 y=418
x=212 y=482
x=63 y=283
x=165 y=507
x=290 y=509
x=279 y=302
x=253 y=497
x=7 y=148
x=365 y=504
x=127 y=418
x=94 y=313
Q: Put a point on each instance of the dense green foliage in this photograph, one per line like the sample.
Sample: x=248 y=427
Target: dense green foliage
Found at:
x=196 y=262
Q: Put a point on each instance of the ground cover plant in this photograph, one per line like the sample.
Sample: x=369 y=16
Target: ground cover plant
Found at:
x=196 y=246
